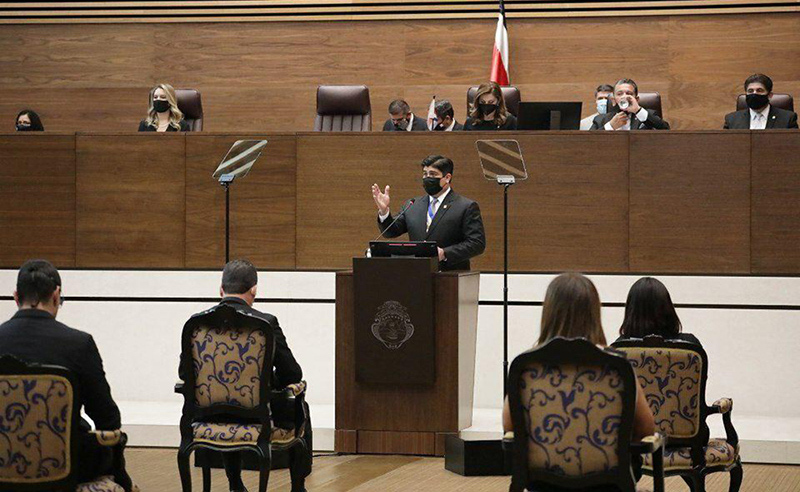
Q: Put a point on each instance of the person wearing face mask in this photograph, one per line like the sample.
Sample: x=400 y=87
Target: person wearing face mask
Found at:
x=441 y=215
x=28 y=121
x=402 y=119
x=627 y=114
x=488 y=112
x=601 y=97
x=760 y=114
x=163 y=114
x=445 y=116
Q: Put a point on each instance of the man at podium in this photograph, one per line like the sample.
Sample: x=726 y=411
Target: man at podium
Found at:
x=442 y=215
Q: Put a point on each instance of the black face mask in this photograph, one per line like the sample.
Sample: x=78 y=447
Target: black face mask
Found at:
x=24 y=128
x=431 y=185
x=161 y=105
x=487 y=109
x=756 y=101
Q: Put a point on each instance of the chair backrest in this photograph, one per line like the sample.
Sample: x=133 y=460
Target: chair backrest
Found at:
x=779 y=100
x=343 y=108
x=572 y=405
x=227 y=355
x=191 y=105
x=511 y=96
x=651 y=101
x=38 y=425
x=673 y=375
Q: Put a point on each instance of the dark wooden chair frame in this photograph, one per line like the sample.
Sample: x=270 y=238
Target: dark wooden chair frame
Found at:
x=227 y=316
x=695 y=477
x=557 y=352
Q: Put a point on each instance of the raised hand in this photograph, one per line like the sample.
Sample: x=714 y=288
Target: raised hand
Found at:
x=381 y=199
x=619 y=120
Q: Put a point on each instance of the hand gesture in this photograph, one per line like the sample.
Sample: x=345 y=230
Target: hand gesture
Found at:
x=381 y=199
x=619 y=120
x=634 y=105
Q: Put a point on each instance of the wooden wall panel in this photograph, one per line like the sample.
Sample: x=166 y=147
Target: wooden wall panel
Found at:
x=262 y=213
x=37 y=211
x=131 y=200
x=776 y=203
x=690 y=202
x=262 y=77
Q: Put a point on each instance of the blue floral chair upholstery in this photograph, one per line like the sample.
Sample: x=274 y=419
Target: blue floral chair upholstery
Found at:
x=38 y=430
x=227 y=358
x=572 y=406
x=673 y=375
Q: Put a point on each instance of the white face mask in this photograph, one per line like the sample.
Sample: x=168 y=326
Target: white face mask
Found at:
x=602 y=106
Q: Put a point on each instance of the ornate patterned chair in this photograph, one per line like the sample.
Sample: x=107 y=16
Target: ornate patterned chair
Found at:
x=572 y=406
x=673 y=375
x=39 y=440
x=226 y=364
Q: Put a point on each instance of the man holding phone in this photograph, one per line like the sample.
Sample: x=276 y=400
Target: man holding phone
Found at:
x=628 y=114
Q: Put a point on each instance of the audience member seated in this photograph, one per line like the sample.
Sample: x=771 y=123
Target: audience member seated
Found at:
x=402 y=119
x=163 y=115
x=627 y=114
x=239 y=289
x=601 y=98
x=445 y=116
x=760 y=115
x=29 y=121
x=571 y=309
x=489 y=110
x=34 y=336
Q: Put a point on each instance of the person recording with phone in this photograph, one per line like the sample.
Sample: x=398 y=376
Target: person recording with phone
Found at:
x=628 y=114
x=453 y=221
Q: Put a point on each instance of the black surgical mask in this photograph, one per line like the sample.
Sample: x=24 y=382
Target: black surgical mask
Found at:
x=432 y=186
x=24 y=128
x=161 y=105
x=487 y=109
x=756 y=101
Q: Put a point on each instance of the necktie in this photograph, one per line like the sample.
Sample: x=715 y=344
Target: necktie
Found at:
x=431 y=213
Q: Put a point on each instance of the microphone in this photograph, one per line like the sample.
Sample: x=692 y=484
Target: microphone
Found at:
x=402 y=212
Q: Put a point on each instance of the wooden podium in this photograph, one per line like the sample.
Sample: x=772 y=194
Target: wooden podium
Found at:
x=405 y=355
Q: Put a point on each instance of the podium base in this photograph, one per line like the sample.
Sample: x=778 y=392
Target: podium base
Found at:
x=476 y=458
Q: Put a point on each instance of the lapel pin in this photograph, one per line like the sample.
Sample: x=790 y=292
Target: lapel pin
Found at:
x=446 y=206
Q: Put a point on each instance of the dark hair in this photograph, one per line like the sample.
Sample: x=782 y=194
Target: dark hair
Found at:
x=603 y=88
x=759 y=78
x=627 y=81
x=36 y=122
x=238 y=277
x=399 y=106
x=649 y=311
x=443 y=109
x=439 y=162
x=571 y=309
x=36 y=282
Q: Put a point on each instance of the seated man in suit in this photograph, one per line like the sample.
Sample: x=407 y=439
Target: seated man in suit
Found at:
x=34 y=336
x=238 y=290
x=601 y=97
x=402 y=119
x=446 y=117
x=760 y=115
x=453 y=221
x=627 y=114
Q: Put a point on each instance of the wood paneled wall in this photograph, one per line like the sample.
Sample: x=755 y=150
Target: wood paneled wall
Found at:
x=262 y=77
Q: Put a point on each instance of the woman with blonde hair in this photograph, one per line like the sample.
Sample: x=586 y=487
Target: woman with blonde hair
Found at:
x=488 y=111
x=163 y=115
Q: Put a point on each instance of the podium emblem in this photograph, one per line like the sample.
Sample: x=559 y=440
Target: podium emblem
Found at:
x=392 y=325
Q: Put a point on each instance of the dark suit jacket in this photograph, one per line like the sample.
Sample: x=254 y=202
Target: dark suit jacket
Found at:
x=653 y=121
x=457 y=228
x=473 y=125
x=456 y=128
x=777 y=118
x=144 y=127
x=417 y=125
x=34 y=335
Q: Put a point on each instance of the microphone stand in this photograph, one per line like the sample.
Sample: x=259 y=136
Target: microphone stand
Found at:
x=506 y=182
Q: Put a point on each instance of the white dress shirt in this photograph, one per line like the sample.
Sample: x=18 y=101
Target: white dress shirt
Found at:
x=641 y=115
x=410 y=123
x=586 y=123
x=758 y=119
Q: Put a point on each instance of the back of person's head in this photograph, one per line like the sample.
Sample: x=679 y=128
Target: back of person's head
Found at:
x=572 y=310
x=238 y=277
x=35 y=121
x=37 y=280
x=443 y=109
x=649 y=311
x=759 y=78
x=175 y=114
x=440 y=162
x=399 y=107
x=493 y=88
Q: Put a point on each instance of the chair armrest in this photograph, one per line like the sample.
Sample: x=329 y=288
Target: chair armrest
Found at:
x=291 y=391
x=723 y=406
x=653 y=445
x=116 y=439
x=508 y=440
x=109 y=438
x=179 y=387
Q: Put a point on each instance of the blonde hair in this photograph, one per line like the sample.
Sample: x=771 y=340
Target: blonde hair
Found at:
x=500 y=114
x=571 y=309
x=175 y=114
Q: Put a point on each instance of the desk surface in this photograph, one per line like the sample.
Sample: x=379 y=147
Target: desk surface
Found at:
x=679 y=202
